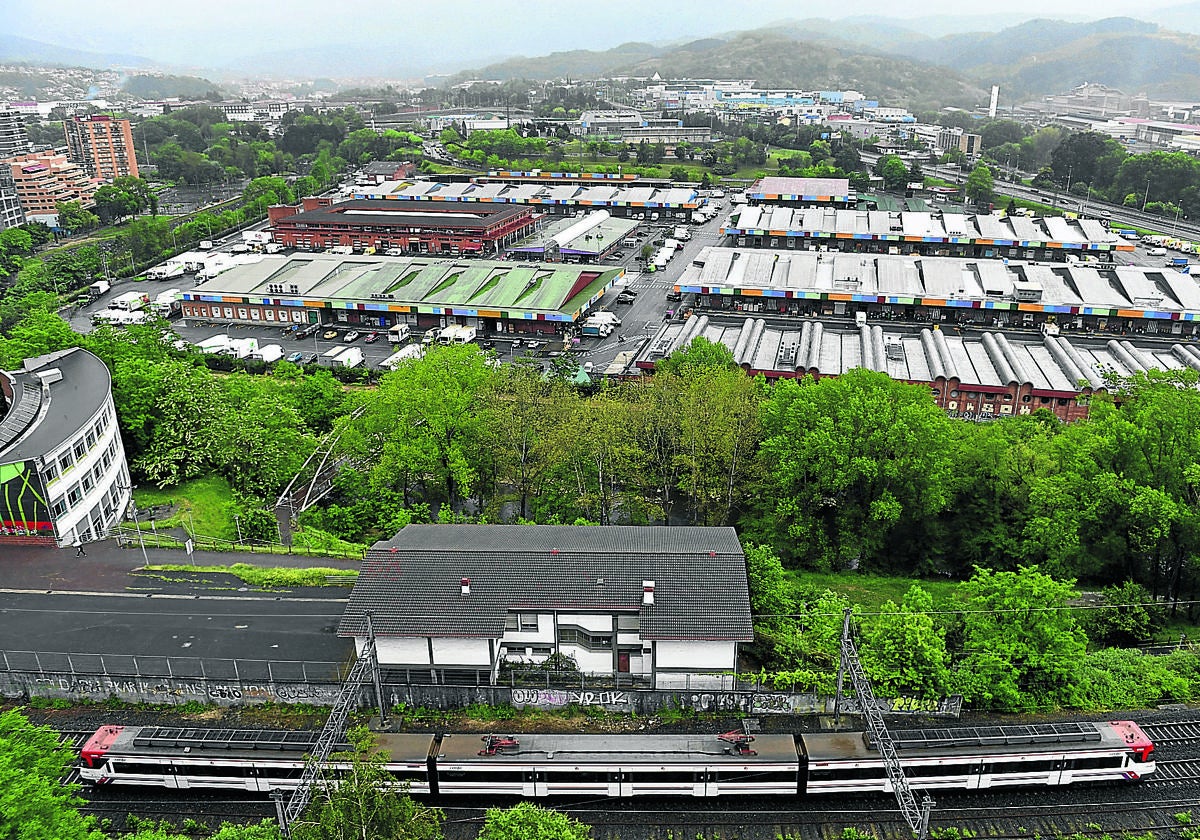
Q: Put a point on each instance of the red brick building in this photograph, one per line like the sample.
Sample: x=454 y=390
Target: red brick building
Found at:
x=449 y=228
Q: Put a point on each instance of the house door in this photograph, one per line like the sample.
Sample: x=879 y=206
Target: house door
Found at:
x=622 y=662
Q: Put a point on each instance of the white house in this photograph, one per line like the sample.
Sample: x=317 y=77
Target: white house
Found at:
x=459 y=600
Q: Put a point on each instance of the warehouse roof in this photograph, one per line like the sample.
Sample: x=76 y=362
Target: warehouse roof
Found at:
x=478 y=217
x=478 y=288
x=413 y=582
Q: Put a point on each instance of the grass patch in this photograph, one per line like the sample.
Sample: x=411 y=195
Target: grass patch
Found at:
x=870 y=592
x=203 y=506
x=272 y=577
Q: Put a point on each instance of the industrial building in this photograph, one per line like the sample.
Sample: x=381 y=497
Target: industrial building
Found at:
x=800 y=192
x=588 y=239
x=424 y=292
x=992 y=293
x=417 y=229
x=933 y=233
x=976 y=374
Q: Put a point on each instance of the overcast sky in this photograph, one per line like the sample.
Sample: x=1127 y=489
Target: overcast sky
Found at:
x=215 y=32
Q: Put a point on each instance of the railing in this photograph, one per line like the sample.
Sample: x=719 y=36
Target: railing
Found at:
x=129 y=535
x=177 y=667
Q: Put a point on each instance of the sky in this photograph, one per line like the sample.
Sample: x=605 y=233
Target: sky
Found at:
x=216 y=33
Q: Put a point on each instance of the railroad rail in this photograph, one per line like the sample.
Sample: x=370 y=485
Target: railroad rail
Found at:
x=1175 y=732
x=1175 y=772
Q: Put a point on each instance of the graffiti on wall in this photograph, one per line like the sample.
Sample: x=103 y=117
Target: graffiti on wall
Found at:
x=554 y=698
x=172 y=690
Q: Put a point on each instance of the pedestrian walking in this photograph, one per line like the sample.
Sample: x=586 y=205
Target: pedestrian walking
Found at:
x=79 y=552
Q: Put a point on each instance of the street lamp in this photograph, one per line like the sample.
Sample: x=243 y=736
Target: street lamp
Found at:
x=1146 y=200
x=133 y=506
x=238 y=521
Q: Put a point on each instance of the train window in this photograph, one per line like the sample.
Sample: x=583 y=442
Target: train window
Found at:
x=664 y=777
x=1006 y=767
x=761 y=777
x=496 y=777
x=934 y=770
x=580 y=777
x=1094 y=763
x=223 y=771
x=123 y=767
x=408 y=775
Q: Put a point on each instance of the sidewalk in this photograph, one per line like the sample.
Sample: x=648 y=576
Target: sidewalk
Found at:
x=107 y=567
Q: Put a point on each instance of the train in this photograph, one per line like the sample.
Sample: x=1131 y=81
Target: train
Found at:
x=546 y=765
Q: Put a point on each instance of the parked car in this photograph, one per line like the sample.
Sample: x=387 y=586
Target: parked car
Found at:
x=310 y=359
x=352 y=336
x=624 y=299
x=371 y=338
x=629 y=292
x=307 y=331
x=329 y=335
x=1157 y=252
x=295 y=358
x=675 y=296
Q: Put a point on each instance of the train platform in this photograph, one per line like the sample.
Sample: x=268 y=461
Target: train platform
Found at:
x=107 y=567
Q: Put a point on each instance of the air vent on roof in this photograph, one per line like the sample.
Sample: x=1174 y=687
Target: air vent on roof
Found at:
x=466 y=586
x=895 y=351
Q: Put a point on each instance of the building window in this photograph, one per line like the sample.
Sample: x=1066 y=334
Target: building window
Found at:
x=511 y=622
x=66 y=461
x=529 y=622
x=50 y=471
x=583 y=639
x=629 y=622
x=73 y=496
x=80 y=449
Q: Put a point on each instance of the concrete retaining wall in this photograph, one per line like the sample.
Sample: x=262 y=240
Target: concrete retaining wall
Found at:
x=224 y=692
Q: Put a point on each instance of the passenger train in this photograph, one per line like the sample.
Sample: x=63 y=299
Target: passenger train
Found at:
x=637 y=765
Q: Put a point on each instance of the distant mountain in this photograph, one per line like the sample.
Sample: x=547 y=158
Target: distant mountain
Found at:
x=25 y=50
x=1047 y=56
x=1184 y=18
x=576 y=64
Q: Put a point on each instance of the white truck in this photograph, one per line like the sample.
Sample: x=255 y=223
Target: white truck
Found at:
x=682 y=234
x=256 y=237
x=341 y=249
x=272 y=248
x=213 y=344
x=241 y=348
x=399 y=333
x=166 y=271
x=412 y=351
x=457 y=334
x=166 y=303
x=349 y=357
x=268 y=353
x=130 y=301
x=99 y=289
x=205 y=245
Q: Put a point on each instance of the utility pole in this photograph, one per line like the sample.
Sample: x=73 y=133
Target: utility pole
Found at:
x=917 y=816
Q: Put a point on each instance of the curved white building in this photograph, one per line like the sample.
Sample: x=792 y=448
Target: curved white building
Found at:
x=63 y=474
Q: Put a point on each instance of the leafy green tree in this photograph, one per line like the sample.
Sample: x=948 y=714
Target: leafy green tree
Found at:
x=360 y=800
x=34 y=803
x=893 y=171
x=852 y=465
x=770 y=594
x=1020 y=643
x=980 y=185
x=526 y=821
x=1127 y=616
x=904 y=649
x=73 y=218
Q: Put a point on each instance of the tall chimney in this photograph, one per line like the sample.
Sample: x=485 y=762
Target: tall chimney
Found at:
x=466 y=586
x=648 y=593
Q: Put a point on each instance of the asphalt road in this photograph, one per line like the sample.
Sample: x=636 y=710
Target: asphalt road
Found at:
x=191 y=626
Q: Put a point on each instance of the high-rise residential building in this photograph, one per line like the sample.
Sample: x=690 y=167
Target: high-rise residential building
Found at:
x=102 y=145
x=14 y=140
x=11 y=214
x=42 y=179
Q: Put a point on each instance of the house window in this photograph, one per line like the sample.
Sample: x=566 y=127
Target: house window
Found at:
x=583 y=639
x=629 y=622
x=512 y=622
x=529 y=622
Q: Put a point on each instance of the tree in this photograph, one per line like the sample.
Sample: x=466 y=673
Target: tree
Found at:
x=1127 y=617
x=73 y=218
x=854 y=467
x=904 y=650
x=893 y=171
x=359 y=801
x=1020 y=644
x=526 y=821
x=980 y=184
x=34 y=803
x=125 y=196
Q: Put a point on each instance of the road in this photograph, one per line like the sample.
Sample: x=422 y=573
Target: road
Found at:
x=206 y=627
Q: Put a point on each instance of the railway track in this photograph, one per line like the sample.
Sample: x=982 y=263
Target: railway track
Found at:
x=1176 y=772
x=1175 y=732
x=74 y=739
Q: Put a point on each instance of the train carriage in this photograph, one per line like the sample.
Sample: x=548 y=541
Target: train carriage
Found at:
x=252 y=760
x=970 y=758
x=619 y=765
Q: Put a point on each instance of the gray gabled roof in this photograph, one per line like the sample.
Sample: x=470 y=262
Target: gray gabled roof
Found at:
x=413 y=581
